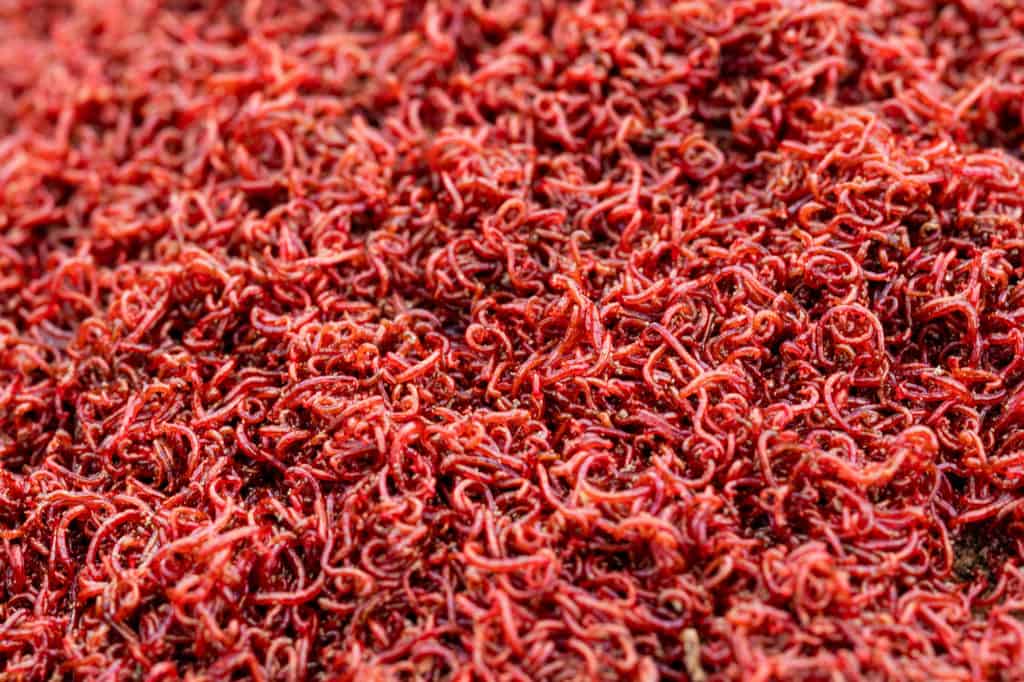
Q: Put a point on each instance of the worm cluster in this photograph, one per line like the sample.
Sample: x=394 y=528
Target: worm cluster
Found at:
x=511 y=340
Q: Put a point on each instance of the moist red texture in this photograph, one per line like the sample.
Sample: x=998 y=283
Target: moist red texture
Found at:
x=487 y=340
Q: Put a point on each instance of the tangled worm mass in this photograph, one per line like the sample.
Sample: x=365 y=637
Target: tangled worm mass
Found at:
x=519 y=340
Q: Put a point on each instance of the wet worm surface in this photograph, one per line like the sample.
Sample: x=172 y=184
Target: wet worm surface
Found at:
x=520 y=340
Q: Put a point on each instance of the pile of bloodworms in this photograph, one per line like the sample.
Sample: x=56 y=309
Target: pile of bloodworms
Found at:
x=512 y=340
